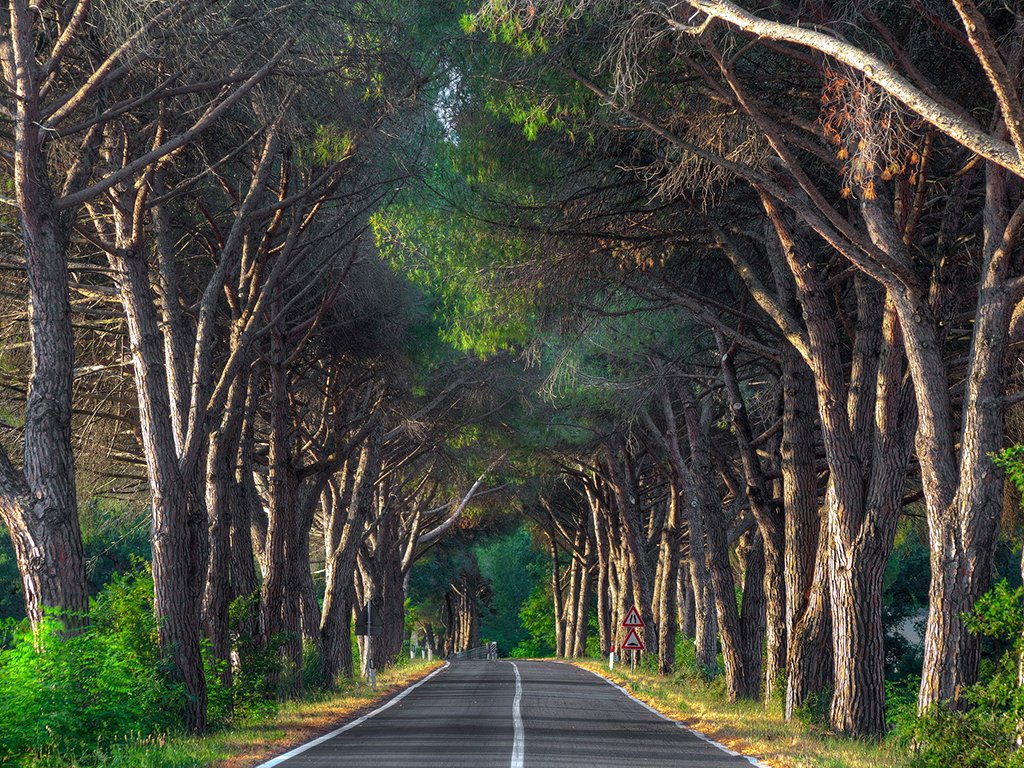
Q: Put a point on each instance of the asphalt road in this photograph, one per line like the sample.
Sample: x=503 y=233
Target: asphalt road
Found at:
x=526 y=714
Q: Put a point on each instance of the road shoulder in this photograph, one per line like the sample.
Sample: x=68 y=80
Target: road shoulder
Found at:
x=746 y=728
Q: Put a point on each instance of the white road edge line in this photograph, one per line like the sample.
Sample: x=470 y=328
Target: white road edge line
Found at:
x=752 y=760
x=519 y=738
x=349 y=726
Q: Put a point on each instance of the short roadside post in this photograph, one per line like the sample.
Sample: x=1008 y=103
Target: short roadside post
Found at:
x=366 y=627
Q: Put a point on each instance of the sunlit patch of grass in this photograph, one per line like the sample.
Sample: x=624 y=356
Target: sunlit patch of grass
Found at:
x=248 y=744
x=749 y=727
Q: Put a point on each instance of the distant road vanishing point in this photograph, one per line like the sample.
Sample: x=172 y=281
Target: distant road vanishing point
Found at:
x=522 y=714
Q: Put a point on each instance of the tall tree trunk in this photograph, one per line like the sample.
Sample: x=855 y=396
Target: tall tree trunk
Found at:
x=179 y=536
x=807 y=618
x=868 y=438
x=964 y=497
x=667 y=597
x=770 y=522
x=220 y=493
x=244 y=501
x=280 y=618
x=603 y=587
x=556 y=596
x=343 y=529
x=38 y=504
x=740 y=680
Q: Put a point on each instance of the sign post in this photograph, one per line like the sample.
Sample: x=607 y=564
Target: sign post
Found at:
x=633 y=623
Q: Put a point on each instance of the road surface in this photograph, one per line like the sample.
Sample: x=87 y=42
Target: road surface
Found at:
x=523 y=714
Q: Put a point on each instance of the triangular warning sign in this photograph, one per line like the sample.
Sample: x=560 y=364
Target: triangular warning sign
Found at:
x=633 y=641
x=633 y=618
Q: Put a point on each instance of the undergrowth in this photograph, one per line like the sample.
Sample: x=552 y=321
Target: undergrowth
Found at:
x=100 y=697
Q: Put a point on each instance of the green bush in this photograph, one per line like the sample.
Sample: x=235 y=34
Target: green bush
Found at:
x=73 y=694
x=984 y=734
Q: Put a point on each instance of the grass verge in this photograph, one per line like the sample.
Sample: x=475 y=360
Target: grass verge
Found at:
x=248 y=744
x=749 y=727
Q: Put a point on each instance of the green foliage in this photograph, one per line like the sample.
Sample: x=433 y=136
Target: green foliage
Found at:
x=510 y=564
x=984 y=734
x=250 y=696
x=974 y=739
x=71 y=695
x=905 y=600
x=1011 y=461
x=538 y=619
x=329 y=144
x=11 y=603
x=453 y=260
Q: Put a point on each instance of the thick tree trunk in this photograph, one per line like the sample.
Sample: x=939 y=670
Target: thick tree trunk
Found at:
x=964 y=501
x=667 y=595
x=858 y=704
x=39 y=505
x=807 y=620
x=750 y=553
x=809 y=666
x=179 y=540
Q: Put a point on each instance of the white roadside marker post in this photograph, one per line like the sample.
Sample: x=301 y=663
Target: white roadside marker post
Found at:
x=372 y=673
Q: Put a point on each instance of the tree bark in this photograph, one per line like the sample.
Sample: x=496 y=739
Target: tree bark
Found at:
x=38 y=504
x=807 y=618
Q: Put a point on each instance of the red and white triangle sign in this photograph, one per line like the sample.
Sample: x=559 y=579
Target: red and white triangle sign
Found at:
x=633 y=641
x=633 y=618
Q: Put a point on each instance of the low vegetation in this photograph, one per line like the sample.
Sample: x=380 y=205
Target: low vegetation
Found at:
x=100 y=697
x=747 y=727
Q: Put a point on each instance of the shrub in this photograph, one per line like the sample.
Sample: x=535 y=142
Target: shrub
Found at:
x=72 y=694
x=983 y=735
